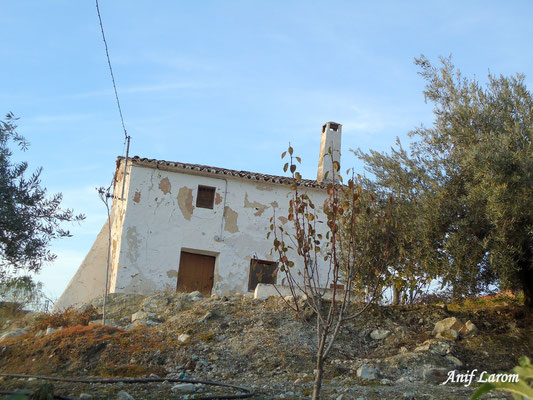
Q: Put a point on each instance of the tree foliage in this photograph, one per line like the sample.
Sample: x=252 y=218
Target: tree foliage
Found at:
x=29 y=219
x=466 y=183
x=22 y=291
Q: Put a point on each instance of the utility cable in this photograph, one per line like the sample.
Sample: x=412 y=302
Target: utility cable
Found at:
x=245 y=392
x=111 y=71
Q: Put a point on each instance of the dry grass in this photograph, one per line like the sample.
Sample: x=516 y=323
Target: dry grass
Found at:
x=66 y=318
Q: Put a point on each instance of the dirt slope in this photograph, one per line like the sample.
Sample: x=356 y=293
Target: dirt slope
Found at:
x=260 y=344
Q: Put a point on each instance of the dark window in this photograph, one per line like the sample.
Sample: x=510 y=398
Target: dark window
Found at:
x=261 y=272
x=206 y=197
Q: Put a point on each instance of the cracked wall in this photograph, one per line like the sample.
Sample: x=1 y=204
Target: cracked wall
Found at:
x=160 y=219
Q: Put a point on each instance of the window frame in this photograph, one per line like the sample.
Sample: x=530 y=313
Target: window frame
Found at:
x=257 y=261
x=203 y=198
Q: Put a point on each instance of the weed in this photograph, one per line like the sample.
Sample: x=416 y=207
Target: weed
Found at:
x=67 y=317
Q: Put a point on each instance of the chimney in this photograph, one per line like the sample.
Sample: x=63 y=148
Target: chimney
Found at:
x=331 y=138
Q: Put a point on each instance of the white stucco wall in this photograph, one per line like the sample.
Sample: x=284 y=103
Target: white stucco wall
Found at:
x=161 y=219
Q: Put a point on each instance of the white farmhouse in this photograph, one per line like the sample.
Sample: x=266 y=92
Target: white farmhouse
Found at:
x=190 y=227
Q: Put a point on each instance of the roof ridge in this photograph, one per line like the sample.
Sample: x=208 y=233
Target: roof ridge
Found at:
x=257 y=176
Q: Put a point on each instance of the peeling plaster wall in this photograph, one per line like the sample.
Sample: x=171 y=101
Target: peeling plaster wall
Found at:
x=161 y=219
x=118 y=209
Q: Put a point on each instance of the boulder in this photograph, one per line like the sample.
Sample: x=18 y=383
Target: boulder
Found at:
x=448 y=334
x=454 y=360
x=433 y=346
x=183 y=388
x=13 y=334
x=367 y=372
x=206 y=316
x=433 y=374
x=196 y=295
x=155 y=303
x=451 y=323
x=468 y=329
x=141 y=315
x=123 y=395
x=183 y=338
x=379 y=334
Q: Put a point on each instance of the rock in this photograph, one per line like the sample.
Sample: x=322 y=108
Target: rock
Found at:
x=13 y=334
x=440 y=348
x=379 y=334
x=451 y=323
x=454 y=360
x=196 y=295
x=207 y=316
x=468 y=329
x=400 y=335
x=107 y=322
x=403 y=380
x=183 y=338
x=343 y=396
x=155 y=303
x=289 y=299
x=183 y=388
x=432 y=374
x=143 y=322
x=123 y=395
x=140 y=315
x=448 y=334
x=367 y=372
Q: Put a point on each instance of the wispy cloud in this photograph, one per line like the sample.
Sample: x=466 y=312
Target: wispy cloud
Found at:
x=152 y=88
x=47 y=119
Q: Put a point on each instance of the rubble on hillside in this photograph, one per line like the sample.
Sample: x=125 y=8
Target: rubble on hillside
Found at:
x=391 y=352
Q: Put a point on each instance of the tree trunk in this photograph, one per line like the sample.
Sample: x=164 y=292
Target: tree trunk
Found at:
x=526 y=279
x=319 y=364
x=318 y=378
x=395 y=295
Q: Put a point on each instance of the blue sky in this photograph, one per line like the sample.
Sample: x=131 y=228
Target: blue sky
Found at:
x=229 y=83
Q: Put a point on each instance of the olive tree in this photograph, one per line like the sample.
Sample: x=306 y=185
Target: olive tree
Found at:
x=469 y=178
x=29 y=218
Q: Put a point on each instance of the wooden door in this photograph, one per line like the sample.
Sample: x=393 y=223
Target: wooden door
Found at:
x=196 y=272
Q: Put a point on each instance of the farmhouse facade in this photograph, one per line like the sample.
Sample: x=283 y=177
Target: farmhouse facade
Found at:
x=190 y=227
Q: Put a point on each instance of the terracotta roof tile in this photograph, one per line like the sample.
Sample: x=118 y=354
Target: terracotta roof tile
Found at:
x=205 y=169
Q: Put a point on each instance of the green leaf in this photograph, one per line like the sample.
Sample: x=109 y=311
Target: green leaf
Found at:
x=520 y=388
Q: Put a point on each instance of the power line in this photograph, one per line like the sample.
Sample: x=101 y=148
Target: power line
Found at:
x=111 y=71
x=127 y=142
